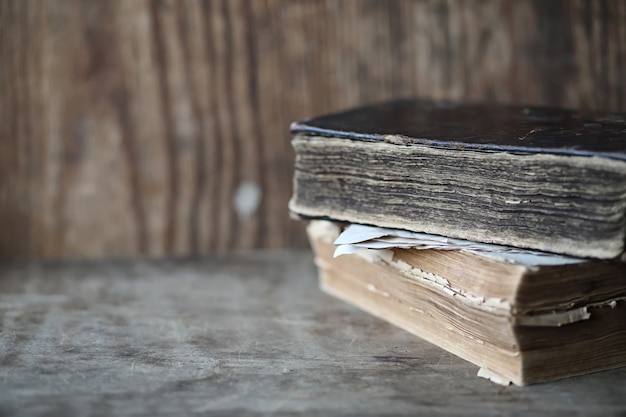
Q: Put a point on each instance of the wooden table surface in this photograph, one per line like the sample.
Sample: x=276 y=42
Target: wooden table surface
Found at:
x=244 y=335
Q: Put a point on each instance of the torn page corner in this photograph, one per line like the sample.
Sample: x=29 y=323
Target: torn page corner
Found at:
x=555 y=319
x=494 y=377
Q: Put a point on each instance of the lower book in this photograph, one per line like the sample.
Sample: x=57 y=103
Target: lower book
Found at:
x=519 y=323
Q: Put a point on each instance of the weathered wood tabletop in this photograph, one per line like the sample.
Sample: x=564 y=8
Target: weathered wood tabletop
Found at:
x=244 y=335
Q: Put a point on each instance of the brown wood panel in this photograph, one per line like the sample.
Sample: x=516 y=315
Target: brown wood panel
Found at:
x=127 y=128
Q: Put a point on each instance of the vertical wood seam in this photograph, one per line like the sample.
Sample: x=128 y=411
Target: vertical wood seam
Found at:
x=169 y=238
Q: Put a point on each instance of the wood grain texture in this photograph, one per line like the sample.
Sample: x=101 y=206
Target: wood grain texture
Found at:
x=237 y=336
x=127 y=127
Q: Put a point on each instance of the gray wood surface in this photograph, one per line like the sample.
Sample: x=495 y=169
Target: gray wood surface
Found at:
x=244 y=335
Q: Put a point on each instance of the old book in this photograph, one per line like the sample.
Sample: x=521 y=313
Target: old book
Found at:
x=521 y=323
x=552 y=180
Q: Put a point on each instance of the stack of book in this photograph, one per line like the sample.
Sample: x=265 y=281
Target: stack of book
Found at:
x=496 y=232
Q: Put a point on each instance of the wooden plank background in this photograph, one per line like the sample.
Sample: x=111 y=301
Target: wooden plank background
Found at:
x=134 y=128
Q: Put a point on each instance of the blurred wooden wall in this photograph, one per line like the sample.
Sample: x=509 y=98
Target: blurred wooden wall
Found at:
x=132 y=127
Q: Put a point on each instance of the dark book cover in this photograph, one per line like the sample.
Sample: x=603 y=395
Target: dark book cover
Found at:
x=490 y=127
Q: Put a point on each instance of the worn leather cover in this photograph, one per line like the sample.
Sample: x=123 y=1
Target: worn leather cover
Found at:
x=489 y=127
